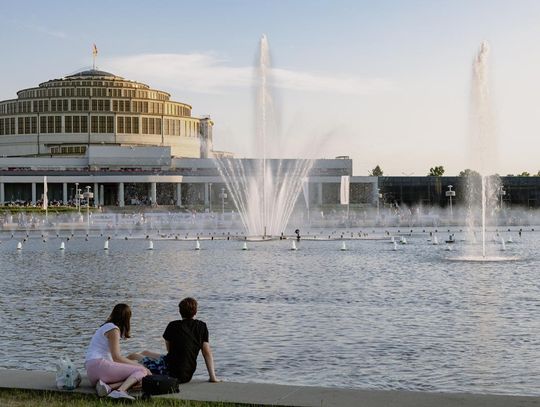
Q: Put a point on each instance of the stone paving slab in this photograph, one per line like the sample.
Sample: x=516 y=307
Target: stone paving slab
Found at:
x=283 y=395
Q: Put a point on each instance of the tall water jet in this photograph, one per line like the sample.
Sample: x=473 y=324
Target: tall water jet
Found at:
x=482 y=187
x=265 y=189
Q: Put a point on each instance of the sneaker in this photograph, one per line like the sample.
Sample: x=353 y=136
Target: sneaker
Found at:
x=117 y=394
x=102 y=388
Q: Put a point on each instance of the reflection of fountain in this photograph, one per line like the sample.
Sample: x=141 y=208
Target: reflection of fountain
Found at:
x=265 y=190
x=483 y=146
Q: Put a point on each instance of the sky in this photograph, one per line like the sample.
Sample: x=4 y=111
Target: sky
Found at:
x=384 y=82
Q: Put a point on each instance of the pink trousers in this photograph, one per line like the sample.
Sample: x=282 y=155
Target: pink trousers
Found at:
x=112 y=372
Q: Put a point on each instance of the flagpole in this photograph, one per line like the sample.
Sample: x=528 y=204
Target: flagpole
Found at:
x=94 y=55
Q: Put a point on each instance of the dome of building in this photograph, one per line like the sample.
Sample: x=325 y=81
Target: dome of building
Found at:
x=92 y=72
x=66 y=116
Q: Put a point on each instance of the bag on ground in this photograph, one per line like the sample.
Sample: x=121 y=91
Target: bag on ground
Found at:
x=159 y=384
x=67 y=375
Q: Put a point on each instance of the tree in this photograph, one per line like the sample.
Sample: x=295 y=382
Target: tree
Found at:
x=376 y=172
x=524 y=174
x=469 y=173
x=436 y=171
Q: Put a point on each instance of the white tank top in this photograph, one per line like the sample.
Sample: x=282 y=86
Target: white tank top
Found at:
x=99 y=344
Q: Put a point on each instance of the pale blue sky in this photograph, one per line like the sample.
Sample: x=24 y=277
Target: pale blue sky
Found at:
x=385 y=82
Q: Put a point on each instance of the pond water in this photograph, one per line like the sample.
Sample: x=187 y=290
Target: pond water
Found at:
x=370 y=317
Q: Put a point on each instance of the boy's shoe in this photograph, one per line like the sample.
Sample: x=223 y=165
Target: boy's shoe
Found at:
x=102 y=388
x=117 y=394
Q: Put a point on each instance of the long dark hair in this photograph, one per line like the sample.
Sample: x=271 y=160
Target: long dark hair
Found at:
x=120 y=316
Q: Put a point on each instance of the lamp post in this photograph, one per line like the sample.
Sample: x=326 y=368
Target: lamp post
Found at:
x=76 y=196
x=379 y=196
x=450 y=194
x=502 y=193
x=79 y=197
x=88 y=195
x=210 y=197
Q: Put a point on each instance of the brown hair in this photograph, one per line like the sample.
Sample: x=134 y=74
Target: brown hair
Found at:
x=120 y=316
x=188 y=308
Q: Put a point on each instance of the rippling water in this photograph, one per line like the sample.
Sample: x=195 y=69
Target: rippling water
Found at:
x=369 y=317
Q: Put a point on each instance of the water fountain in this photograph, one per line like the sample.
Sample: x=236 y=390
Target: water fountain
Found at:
x=265 y=189
x=482 y=186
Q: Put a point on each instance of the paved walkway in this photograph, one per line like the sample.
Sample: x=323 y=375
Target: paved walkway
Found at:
x=279 y=395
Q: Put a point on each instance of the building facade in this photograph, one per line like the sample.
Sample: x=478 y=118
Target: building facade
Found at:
x=130 y=145
x=65 y=117
x=431 y=191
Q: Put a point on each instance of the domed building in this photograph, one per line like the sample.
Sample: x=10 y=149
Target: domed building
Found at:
x=95 y=108
x=123 y=141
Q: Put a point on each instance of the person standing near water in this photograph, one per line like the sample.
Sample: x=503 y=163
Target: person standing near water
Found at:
x=111 y=373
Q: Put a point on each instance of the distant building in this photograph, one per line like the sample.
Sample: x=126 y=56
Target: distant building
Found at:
x=431 y=191
x=130 y=144
x=95 y=108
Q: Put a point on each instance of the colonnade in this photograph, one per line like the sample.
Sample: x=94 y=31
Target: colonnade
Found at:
x=99 y=193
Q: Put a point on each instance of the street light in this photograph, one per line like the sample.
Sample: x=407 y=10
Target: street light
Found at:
x=502 y=193
x=76 y=196
x=450 y=194
x=88 y=195
x=379 y=196
x=210 y=197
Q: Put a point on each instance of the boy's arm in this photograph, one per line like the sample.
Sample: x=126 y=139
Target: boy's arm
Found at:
x=209 y=360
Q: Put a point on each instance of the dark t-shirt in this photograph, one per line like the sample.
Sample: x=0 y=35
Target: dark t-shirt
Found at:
x=185 y=339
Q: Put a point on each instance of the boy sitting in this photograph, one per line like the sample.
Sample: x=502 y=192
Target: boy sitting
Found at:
x=183 y=339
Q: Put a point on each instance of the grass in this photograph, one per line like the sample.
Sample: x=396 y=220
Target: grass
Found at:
x=29 y=398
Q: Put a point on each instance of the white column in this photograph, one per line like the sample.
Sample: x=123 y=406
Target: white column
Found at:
x=96 y=194
x=178 y=196
x=319 y=194
x=2 y=194
x=153 y=193
x=206 y=194
x=102 y=195
x=121 y=194
x=64 y=193
x=33 y=193
x=375 y=191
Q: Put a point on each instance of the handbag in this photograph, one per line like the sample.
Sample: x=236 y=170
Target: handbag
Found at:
x=67 y=375
x=159 y=384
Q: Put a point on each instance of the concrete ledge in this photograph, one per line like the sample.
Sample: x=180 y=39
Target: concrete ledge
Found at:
x=281 y=395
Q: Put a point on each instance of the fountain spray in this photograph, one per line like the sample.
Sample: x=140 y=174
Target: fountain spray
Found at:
x=265 y=190
x=483 y=142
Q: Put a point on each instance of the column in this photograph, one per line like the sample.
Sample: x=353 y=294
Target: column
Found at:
x=375 y=191
x=178 y=194
x=319 y=193
x=153 y=193
x=96 y=194
x=33 y=193
x=102 y=195
x=64 y=193
x=121 y=194
x=206 y=194
x=2 y=194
